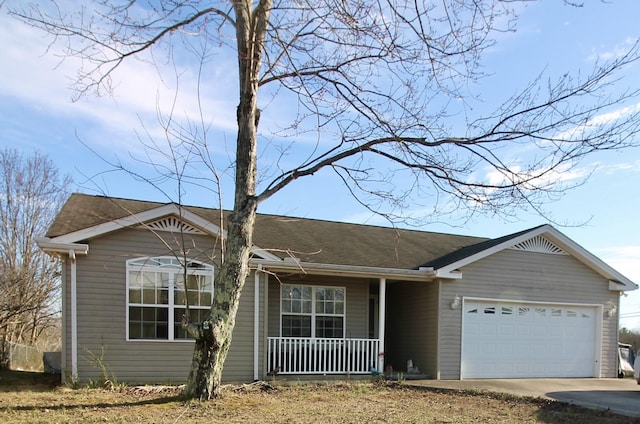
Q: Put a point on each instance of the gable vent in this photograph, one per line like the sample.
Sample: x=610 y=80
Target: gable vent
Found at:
x=539 y=244
x=173 y=225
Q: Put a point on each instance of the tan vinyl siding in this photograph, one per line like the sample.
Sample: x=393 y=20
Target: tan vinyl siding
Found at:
x=525 y=276
x=412 y=327
x=102 y=309
x=357 y=302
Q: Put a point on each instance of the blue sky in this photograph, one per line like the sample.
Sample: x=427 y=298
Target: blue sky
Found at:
x=36 y=113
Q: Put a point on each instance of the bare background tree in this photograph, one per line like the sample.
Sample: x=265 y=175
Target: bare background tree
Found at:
x=382 y=96
x=32 y=193
x=630 y=336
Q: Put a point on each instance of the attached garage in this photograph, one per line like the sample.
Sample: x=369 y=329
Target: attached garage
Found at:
x=511 y=339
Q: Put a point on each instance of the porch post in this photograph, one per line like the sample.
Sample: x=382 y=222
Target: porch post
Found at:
x=381 y=320
x=256 y=321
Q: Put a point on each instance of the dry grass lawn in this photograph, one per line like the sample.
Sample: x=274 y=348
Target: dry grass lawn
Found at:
x=29 y=397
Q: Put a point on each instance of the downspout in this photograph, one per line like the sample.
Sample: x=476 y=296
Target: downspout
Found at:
x=381 y=321
x=74 y=317
x=256 y=322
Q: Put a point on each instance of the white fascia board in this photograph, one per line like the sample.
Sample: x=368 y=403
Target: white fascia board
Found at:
x=424 y=275
x=49 y=246
x=449 y=275
x=451 y=270
x=138 y=219
x=264 y=254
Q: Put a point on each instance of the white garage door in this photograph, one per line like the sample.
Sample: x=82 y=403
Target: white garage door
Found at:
x=521 y=340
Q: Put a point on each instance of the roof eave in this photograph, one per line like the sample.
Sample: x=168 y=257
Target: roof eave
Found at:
x=51 y=246
x=421 y=274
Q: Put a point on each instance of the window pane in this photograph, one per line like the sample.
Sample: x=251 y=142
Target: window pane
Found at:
x=193 y=282
x=179 y=299
x=148 y=330
x=135 y=279
x=148 y=279
x=306 y=307
x=329 y=294
x=286 y=305
x=206 y=299
x=163 y=297
x=162 y=330
x=135 y=296
x=306 y=293
x=148 y=314
x=296 y=326
x=178 y=331
x=135 y=314
x=329 y=327
x=192 y=296
x=296 y=293
x=135 y=331
x=149 y=296
x=162 y=314
x=328 y=308
x=296 y=306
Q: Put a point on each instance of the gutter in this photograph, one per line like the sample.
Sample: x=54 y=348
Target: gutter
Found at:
x=71 y=249
x=421 y=274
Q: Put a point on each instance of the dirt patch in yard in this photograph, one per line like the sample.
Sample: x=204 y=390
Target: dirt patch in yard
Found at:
x=361 y=402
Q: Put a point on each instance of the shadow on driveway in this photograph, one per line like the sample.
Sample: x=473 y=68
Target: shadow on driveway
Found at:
x=620 y=396
x=623 y=402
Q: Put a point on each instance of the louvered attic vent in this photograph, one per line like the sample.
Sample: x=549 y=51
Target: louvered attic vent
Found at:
x=173 y=225
x=539 y=244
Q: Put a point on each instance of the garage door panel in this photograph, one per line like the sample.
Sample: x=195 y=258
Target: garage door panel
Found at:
x=508 y=330
x=508 y=340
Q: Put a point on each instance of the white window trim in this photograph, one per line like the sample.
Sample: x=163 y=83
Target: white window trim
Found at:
x=132 y=264
x=313 y=309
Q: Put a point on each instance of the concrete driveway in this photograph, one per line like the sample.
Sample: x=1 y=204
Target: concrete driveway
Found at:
x=621 y=396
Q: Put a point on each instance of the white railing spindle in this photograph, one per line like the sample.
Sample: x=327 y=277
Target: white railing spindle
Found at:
x=296 y=355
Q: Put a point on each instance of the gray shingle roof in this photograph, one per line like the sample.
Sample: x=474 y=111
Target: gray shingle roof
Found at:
x=309 y=240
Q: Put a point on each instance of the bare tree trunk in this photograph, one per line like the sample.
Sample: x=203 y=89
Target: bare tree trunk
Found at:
x=214 y=337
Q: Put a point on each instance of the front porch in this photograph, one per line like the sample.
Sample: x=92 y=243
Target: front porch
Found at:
x=313 y=356
x=319 y=325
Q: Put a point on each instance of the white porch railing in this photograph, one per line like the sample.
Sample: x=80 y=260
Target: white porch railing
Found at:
x=296 y=355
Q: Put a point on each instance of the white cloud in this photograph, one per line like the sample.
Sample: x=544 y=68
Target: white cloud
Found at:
x=598 y=121
x=561 y=174
x=36 y=77
x=616 y=52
